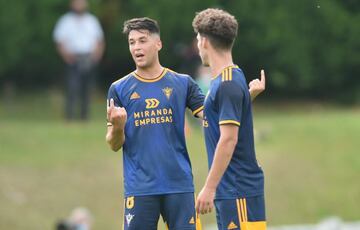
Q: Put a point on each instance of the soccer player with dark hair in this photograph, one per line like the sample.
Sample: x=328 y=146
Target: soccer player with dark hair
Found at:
x=146 y=117
x=235 y=182
x=146 y=113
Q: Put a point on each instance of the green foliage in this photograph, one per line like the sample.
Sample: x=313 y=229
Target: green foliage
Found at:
x=309 y=48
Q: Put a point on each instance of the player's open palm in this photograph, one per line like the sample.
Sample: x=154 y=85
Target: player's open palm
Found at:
x=256 y=86
x=117 y=116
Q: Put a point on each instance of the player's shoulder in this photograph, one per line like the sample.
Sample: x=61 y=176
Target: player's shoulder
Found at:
x=123 y=80
x=184 y=79
x=230 y=78
x=231 y=81
x=178 y=75
x=231 y=74
x=237 y=71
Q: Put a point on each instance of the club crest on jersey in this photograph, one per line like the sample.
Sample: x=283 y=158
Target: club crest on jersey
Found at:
x=129 y=218
x=135 y=95
x=167 y=91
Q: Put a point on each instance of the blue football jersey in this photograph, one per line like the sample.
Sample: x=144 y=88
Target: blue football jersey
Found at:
x=155 y=156
x=228 y=102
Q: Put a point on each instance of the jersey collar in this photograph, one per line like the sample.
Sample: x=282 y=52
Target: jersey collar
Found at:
x=137 y=76
x=226 y=68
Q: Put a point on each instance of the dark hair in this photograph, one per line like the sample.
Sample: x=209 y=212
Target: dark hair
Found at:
x=141 y=24
x=218 y=25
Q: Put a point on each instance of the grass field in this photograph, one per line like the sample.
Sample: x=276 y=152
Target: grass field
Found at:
x=310 y=155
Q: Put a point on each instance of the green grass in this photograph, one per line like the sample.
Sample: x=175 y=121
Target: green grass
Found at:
x=310 y=155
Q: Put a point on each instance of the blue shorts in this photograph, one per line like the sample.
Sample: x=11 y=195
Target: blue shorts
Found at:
x=177 y=211
x=242 y=214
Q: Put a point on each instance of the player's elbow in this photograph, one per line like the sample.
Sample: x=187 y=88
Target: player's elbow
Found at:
x=229 y=140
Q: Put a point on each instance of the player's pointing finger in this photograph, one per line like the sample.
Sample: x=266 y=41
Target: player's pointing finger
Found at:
x=111 y=103
x=262 y=73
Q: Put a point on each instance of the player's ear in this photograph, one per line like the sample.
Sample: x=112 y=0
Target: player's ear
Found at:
x=159 y=44
x=199 y=41
x=205 y=42
x=202 y=41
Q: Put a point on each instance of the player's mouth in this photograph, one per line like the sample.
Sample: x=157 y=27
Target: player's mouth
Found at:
x=139 y=56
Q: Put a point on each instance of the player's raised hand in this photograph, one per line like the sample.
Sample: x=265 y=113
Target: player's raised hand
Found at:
x=117 y=116
x=257 y=86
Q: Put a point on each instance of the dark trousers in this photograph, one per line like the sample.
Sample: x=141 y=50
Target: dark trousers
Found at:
x=79 y=80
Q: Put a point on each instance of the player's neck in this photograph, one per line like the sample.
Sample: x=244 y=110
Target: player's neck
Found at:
x=150 y=72
x=219 y=61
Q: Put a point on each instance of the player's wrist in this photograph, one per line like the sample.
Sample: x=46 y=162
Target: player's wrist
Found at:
x=117 y=128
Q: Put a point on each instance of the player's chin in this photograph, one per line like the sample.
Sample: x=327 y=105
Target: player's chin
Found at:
x=141 y=64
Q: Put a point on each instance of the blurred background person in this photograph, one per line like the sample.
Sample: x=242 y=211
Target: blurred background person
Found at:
x=190 y=60
x=203 y=78
x=64 y=225
x=80 y=42
x=81 y=218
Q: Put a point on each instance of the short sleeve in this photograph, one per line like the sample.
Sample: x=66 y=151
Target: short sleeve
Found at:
x=112 y=94
x=195 y=97
x=229 y=102
x=98 y=30
x=60 y=32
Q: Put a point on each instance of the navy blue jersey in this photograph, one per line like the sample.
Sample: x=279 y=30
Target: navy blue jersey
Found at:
x=155 y=156
x=228 y=102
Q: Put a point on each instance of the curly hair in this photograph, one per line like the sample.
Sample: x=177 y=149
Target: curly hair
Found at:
x=141 y=24
x=218 y=26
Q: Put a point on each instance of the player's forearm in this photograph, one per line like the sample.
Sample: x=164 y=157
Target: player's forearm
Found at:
x=223 y=154
x=115 y=138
